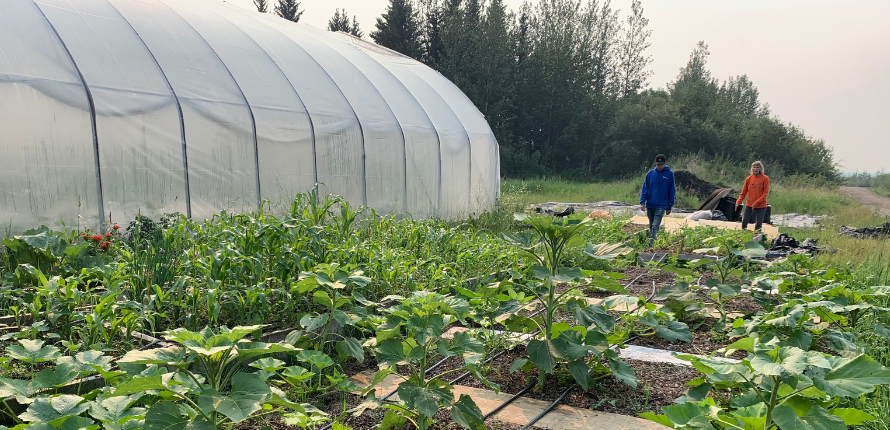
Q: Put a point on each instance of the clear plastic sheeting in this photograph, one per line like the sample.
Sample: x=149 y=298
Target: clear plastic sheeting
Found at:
x=421 y=143
x=46 y=138
x=219 y=130
x=284 y=135
x=337 y=132
x=137 y=118
x=113 y=108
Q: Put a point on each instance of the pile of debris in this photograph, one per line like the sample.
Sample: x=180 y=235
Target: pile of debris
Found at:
x=691 y=184
x=564 y=209
x=880 y=231
x=785 y=245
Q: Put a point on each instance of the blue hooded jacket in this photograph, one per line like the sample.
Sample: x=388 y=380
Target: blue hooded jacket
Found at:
x=659 y=189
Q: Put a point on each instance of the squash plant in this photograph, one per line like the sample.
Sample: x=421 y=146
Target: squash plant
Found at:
x=780 y=385
x=546 y=245
x=333 y=288
x=209 y=386
x=411 y=336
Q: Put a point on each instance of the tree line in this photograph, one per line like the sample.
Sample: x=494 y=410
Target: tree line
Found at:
x=564 y=86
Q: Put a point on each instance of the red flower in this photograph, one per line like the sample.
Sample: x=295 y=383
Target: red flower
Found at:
x=116 y=227
x=103 y=245
x=83 y=235
x=96 y=238
x=108 y=234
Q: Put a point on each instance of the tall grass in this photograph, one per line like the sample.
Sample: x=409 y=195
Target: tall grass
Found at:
x=525 y=192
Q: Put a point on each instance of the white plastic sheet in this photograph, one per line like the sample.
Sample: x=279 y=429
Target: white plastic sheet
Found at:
x=49 y=170
x=137 y=117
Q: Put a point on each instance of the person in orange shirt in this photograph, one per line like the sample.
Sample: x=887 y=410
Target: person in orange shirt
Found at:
x=756 y=189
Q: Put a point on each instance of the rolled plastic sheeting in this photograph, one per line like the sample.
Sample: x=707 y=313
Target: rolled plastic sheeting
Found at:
x=49 y=169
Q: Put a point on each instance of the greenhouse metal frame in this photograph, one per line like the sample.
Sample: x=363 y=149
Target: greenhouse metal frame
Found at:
x=113 y=108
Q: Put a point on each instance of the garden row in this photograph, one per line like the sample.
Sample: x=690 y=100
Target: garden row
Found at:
x=130 y=330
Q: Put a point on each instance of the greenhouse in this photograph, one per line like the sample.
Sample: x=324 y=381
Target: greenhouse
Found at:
x=113 y=108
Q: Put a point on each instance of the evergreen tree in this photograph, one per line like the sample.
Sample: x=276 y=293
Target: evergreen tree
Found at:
x=289 y=10
x=431 y=35
x=340 y=22
x=633 y=61
x=398 y=29
x=262 y=6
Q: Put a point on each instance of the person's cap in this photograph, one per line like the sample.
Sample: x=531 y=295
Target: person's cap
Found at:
x=660 y=159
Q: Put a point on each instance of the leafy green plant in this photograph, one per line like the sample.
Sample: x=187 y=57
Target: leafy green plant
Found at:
x=412 y=337
x=209 y=386
x=641 y=318
x=546 y=244
x=780 y=385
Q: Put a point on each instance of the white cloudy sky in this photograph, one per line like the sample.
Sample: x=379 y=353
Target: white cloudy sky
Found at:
x=823 y=65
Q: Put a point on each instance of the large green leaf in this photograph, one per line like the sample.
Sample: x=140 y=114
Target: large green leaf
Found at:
x=623 y=372
x=852 y=417
x=78 y=423
x=673 y=331
x=544 y=354
x=390 y=352
x=167 y=416
x=171 y=355
x=33 y=351
x=606 y=251
x=317 y=359
x=816 y=418
x=268 y=364
x=61 y=375
x=351 y=347
x=581 y=372
x=571 y=345
x=467 y=414
x=687 y=413
x=87 y=361
x=115 y=409
x=852 y=378
x=424 y=400
x=140 y=386
x=463 y=345
x=249 y=392
x=54 y=409
x=591 y=315
x=679 y=291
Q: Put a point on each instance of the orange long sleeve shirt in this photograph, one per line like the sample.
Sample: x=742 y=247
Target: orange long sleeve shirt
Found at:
x=756 y=189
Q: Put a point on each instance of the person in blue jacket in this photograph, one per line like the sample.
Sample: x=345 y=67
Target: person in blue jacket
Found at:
x=657 y=196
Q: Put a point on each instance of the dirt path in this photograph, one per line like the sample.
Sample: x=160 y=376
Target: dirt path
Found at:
x=869 y=199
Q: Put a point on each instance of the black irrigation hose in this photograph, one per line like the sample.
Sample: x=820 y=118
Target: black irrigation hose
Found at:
x=549 y=408
x=504 y=405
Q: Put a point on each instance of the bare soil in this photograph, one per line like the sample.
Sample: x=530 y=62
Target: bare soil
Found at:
x=659 y=385
x=867 y=198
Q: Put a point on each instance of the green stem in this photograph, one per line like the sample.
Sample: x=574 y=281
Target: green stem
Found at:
x=774 y=397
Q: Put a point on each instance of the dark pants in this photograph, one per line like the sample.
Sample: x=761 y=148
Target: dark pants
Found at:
x=655 y=216
x=756 y=214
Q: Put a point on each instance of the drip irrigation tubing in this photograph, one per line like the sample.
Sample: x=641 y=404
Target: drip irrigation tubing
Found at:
x=549 y=408
x=505 y=404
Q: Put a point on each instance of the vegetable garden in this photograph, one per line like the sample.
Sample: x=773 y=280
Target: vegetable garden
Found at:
x=332 y=317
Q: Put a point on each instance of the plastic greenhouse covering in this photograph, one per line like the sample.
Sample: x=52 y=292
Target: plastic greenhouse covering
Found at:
x=113 y=108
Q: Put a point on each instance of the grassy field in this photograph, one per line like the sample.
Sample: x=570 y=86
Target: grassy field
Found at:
x=791 y=195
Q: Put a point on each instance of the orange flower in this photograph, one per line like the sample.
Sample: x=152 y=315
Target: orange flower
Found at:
x=108 y=235
x=96 y=237
x=116 y=227
x=104 y=244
